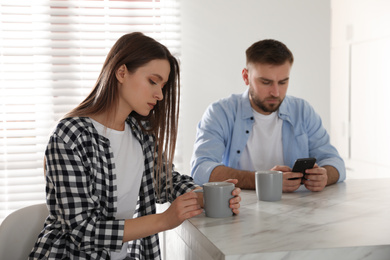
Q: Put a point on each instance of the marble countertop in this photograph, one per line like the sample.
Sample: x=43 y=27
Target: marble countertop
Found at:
x=349 y=219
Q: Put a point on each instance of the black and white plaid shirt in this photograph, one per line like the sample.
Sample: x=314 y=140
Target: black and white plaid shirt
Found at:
x=82 y=200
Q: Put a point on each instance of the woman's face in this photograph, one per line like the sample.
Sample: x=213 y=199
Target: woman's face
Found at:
x=140 y=91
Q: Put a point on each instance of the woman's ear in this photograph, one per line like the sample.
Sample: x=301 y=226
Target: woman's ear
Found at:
x=245 y=76
x=121 y=73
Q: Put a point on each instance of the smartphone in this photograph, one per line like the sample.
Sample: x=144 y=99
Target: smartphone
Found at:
x=302 y=164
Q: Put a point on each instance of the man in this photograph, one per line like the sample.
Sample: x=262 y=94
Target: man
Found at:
x=264 y=128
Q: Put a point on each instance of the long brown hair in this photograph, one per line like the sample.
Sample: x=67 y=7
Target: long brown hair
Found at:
x=135 y=50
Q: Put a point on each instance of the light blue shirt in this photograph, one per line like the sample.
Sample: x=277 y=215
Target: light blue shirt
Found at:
x=224 y=130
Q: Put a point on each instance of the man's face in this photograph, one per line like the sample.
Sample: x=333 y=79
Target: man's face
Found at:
x=267 y=85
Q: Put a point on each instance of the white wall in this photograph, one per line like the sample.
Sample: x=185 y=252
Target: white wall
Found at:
x=360 y=62
x=215 y=35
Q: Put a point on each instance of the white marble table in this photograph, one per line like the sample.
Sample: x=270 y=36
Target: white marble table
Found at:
x=349 y=220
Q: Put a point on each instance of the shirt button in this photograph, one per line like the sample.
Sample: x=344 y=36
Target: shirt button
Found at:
x=238 y=151
x=247 y=131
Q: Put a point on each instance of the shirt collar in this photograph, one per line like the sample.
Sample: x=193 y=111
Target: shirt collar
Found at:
x=135 y=127
x=246 y=105
x=283 y=109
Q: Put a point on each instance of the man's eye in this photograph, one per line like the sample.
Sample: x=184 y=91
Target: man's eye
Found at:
x=266 y=82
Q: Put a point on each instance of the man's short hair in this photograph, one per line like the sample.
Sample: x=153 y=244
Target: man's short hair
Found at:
x=269 y=52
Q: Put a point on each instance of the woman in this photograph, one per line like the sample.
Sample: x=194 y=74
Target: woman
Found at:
x=105 y=165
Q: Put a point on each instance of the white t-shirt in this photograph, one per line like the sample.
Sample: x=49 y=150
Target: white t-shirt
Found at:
x=264 y=148
x=129 y=167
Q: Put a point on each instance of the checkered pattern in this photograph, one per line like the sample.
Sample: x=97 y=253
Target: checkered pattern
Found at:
x=81 y=195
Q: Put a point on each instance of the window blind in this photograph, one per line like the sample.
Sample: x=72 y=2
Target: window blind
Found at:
x=51 y=53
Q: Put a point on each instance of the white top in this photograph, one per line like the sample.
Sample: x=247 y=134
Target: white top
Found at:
x=129 y=167
x=264 y=148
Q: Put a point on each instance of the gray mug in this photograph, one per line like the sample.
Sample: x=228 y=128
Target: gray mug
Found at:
x=216 y=197
x=269 y=185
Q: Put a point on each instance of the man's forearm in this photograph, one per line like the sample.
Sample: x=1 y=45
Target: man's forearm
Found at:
x=246 y=179
x=333 y=175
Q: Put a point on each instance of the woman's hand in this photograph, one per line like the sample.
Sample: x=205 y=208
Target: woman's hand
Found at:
x=183 y=207
x=235 y=202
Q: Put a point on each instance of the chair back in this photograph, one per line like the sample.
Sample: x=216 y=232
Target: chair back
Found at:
x=19 y=231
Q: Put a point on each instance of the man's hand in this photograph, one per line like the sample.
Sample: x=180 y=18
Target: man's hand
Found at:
x=289 y=185
x=316 y=178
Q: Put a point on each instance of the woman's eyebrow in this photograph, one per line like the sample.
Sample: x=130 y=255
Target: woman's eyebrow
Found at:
x=159 y=77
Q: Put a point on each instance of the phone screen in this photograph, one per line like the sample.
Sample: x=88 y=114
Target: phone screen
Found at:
x=302 y=164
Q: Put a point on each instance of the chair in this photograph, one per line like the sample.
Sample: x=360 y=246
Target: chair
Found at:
x=20 y=230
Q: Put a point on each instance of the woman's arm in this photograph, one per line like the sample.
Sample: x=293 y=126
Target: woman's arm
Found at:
x=183 y=207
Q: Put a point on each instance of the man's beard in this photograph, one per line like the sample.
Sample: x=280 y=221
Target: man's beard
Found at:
x=262 y=103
